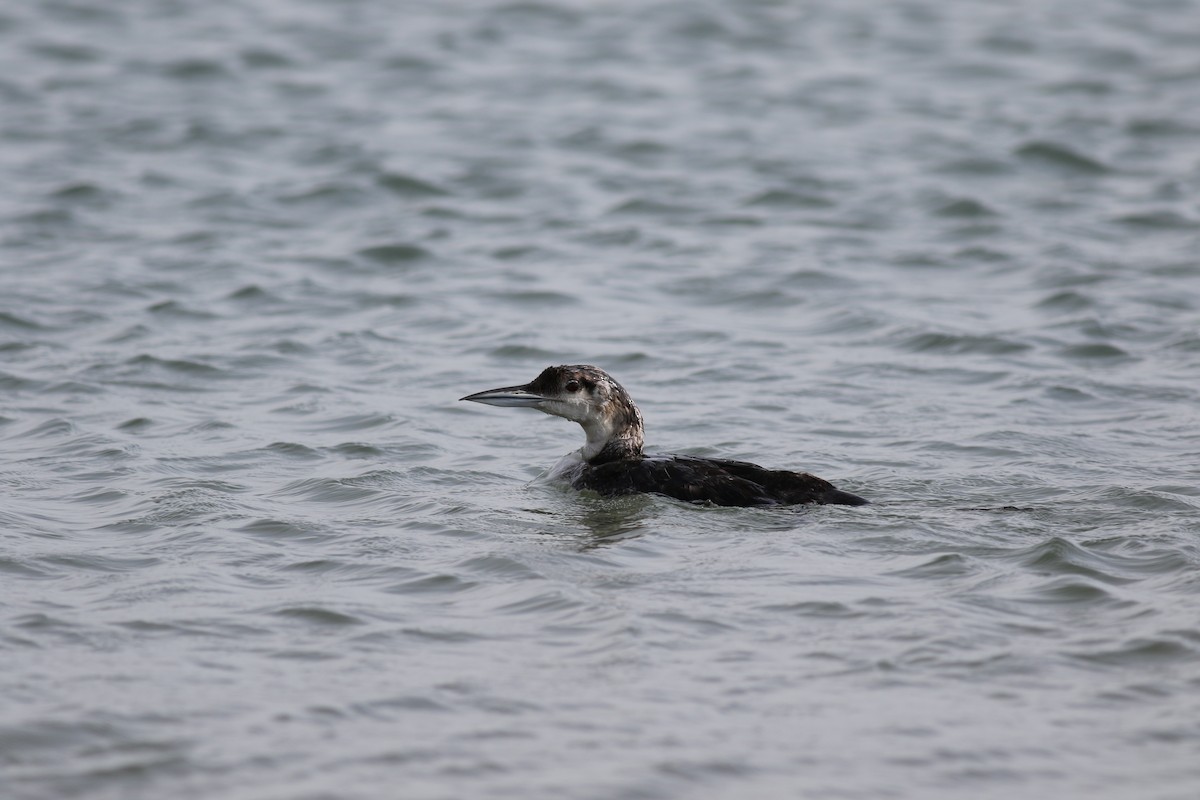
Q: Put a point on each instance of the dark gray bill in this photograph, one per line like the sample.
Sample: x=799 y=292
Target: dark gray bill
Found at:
x=508 y=397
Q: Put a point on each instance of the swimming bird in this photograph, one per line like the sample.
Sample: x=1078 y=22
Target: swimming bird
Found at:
x=611 y=461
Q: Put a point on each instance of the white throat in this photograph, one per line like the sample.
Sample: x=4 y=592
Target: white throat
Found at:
x=599 y=431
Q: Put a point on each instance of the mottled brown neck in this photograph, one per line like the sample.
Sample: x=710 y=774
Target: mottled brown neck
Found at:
x=622 y=431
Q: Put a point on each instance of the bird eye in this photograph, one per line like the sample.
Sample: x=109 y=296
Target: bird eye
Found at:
x=572 y=386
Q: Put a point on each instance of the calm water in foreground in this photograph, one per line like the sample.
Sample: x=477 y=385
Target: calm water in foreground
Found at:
x=946 y=255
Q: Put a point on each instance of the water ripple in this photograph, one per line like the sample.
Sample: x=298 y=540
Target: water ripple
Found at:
x=941 y=254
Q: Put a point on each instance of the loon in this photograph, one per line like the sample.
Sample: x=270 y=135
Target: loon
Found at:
x=612 y=463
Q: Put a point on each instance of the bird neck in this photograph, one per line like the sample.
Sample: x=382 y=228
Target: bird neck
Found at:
x=614 y=436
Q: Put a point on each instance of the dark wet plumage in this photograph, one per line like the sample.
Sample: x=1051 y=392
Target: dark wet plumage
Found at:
x=612 y=462
x=711 y=480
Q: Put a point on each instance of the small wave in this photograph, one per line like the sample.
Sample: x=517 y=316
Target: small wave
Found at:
x=947 y=565
x=396 y=254
x=963 y=343
x=1093 y=351
x=783 y=198
x=318 y=615
x=1060 y=157
x=815 y=608
x=1166 y=648
x=409 y=186
x=327 y=490
x=964 y=207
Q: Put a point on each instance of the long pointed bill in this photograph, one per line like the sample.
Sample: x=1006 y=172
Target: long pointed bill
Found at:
x=508 y=397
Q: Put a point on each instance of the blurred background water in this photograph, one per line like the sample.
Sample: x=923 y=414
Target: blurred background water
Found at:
x=946 y=255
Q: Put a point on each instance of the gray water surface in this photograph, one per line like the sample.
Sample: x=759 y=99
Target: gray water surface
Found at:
x=946 y=255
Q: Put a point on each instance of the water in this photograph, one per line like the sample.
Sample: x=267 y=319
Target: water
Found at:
x=944 y=255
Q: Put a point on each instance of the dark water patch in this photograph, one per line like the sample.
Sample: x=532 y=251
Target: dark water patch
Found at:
x=947 y=565
x=1058 y=556
x=1163 y=219
x=18 y=568
x=1147 y=652
x=1096 y=351
x=785 y=199
x=396 y=708
x=334 y=195
x=1165 y=127
x=432 y=584
x=977 y=166
x=1144 y=499
x=253 y=294
x=692 y=623
x=266 y=58
x=966 y=207
x=921 y=261
x=67 y=52
x=642 y=152
x=694 y=771
x=173 y=309
x=1082 y=86
x=100 y=496
x=305 y=656
x=132 y=333
x=11 y=320
x=534 y=298
x=815 y=608
x=735 y=220
x=1069 y=278
x=844 y=322
x=541 y=605
x=409 y=186
x=357 y=450
x=526 y=253
x=963 y=344
x=194 y=69
x=94 y=562
x=278 y=529
x=1137 y=693
x=1073 y=590
x=394 y=255
x=51 y=428
x=619 y=237
x=382 y=478
x=293 y=450
x=73 y=388
x=1067 y=301
x=317 y=567
x=390 y=300
x=35 y=742
x=15 y=383
x=327 y=490
x=316 y=615
x=180 y=366
x=442 y=635
x=49 y=220
x=181 y=508
x=353 y=422
x=758 y=299
x=1068 y=394
x=1060 y=157
x=83 y=193
x=818 y=279
x=498 y=566
x=40 y=622
x=640 y=206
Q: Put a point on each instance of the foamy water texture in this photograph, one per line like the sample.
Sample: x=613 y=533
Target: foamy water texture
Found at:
x=945 y=255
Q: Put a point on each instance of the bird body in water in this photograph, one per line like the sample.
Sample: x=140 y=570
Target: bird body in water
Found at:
x=611 y=461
